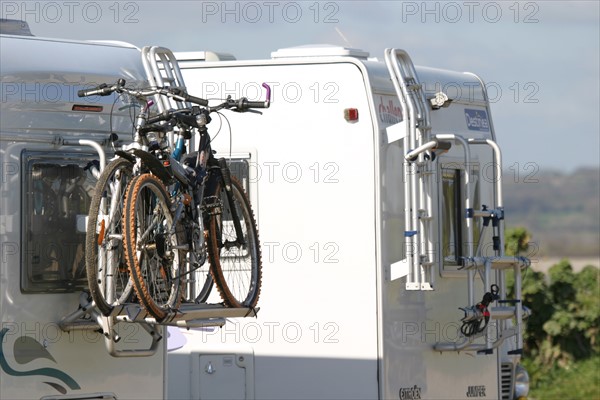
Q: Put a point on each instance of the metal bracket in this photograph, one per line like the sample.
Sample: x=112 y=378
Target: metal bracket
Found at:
x=188 y=315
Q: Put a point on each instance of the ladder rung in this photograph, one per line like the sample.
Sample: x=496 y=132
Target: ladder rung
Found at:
x=488 y=214
x=502 y=312
x=506 y=312
x=497 y=263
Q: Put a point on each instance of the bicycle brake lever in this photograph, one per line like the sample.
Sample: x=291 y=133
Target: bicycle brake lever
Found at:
x=250 y=110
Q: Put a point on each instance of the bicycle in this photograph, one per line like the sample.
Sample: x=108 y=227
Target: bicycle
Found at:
x=162 y=228
x=107 y=273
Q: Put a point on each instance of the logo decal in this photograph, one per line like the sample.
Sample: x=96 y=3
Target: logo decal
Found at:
x=390 y=113
x=476 y=391
x=23 y=347
x=410 y=393
x=477 y=120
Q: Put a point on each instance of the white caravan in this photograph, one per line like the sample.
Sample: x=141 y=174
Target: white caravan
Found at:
x=369 y=191
x=48 y=139
x=54 y=343
x=378 y=195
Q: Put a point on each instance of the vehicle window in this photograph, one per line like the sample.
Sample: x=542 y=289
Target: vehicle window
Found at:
x=454 y=232
x=240 y=168
x=56 y=189
x=451 y=212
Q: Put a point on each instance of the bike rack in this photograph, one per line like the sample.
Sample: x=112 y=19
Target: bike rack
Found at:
x=188 y=315
x=162 y=70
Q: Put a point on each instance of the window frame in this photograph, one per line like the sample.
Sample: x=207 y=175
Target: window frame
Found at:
x=459 y=221
x=41 y=244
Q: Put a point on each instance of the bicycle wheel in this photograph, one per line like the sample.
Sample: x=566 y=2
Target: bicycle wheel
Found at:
x=235 y=262
x=107 y=275
x=152 y=246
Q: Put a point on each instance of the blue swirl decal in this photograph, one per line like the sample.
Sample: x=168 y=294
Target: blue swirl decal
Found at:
x=51 y=372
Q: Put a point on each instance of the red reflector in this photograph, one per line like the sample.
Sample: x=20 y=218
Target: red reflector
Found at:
x=80 y=107
x=351 y=114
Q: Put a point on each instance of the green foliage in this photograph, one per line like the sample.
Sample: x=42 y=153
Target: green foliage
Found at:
x=516 y=241
x=564 y=327
x=580 y=381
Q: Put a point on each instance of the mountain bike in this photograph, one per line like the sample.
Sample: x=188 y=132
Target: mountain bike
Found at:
x=175 y=211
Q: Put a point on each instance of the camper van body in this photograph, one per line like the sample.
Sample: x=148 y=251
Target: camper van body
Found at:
x=47 y=138
x=326 y=172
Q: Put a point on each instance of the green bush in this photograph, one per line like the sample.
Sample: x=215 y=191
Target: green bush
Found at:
x=580 y=381
x=565 y=320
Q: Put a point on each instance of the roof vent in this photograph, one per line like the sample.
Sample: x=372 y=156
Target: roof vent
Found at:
x=191 y=57
x=14 y=27
x=319 y=50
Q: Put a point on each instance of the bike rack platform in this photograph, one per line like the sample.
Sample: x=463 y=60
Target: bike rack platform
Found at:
x=188 y=315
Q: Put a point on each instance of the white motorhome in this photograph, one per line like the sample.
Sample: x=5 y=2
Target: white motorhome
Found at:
x=48 y=138
x=377 y=191
x=53 y=341
x=371 y=183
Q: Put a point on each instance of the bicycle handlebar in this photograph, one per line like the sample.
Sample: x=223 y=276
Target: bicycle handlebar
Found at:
x=243 y=103
x=164 y=116
x=258 y=104
x=187 y=116
x=100 y=90
x=189 y=98
x=178 y=94
x=175 y=93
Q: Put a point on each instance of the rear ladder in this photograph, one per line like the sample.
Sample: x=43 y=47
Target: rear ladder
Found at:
x=162 y=70
x=418 y=186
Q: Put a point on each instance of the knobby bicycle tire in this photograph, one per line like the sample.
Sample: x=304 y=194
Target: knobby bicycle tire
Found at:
x=107 y=274
x=236 y=269
x=152 y=247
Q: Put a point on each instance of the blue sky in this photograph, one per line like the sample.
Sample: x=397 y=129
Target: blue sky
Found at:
x=540 y=59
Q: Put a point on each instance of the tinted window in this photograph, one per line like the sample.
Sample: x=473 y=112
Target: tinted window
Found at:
x=57 y=189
